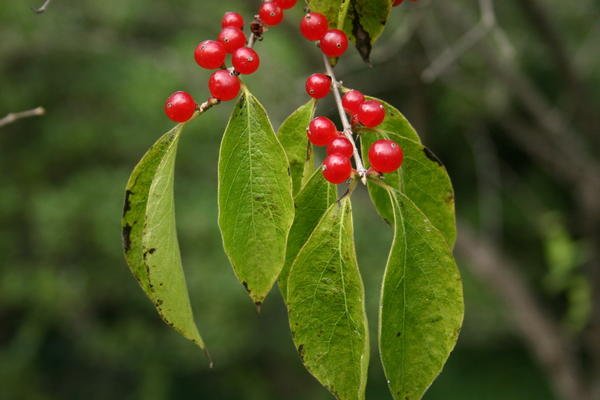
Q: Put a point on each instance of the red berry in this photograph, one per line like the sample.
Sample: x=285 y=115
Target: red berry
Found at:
x=398 y=2
x=245 y=60
x=340 y=145
x=232 y=38
x=385 y=156
x=321 y=131
x=180 y=106
x=287 y=4
x=352 y=101
x=337 y=168
x=318 y=85
x=371 y=113
x=313 y=26
x=270 y=13
x=210 y=54
x=334 y=43
x=232 y=19
x=223 y=85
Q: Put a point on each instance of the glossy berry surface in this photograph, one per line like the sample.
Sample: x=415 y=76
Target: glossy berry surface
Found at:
x=270 y=13
x=340 y=145
x=371 y=113
x=334 y=43
x=232 y=38
x=287 y=4
x=313 y=26
x=385 y=156
x=210 y=54
x=180 y=106
x=321 y=131
x=352 y=101
x=232 y=19
x=223 y=85
x=245 y=60
x=337 y=168
x=318 y=85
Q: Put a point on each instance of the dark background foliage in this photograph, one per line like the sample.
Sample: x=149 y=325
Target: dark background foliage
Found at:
x=73 y=322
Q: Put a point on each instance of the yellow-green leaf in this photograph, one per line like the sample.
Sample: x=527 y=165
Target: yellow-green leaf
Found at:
x=421 y=302
x=292 y=135
x=256 y=207
x=311 y=203
x=326 y=306
x=150 y=236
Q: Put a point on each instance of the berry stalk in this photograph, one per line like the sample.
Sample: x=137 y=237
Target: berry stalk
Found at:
x=347 y=128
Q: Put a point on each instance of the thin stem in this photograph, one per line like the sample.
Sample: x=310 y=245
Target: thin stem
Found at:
x=13 y=117
x=360 y=168
x=42 y=8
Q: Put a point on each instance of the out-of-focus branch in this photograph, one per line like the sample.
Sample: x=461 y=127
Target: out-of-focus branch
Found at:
x=43 y=7
x=489 y=183
x=14 y=117
x=464 y=44
x=541 y=333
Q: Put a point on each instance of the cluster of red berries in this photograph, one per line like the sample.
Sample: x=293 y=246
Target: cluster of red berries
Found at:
x=224 y=84
x=384 y=155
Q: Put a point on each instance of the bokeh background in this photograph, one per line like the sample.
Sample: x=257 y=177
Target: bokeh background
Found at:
x=512 y=110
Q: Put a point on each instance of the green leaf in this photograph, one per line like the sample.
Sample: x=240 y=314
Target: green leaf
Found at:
x=422 y=176
x=362 y=20
x=150 y=237
x=326 y=306
x=256 y=208
x=421 y=303
x=311 y=203
x=292 y=135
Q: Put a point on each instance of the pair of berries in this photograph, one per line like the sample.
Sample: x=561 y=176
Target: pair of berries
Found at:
x=385 y=156
x=315 y=27
x=337 y=167
x=369 y=113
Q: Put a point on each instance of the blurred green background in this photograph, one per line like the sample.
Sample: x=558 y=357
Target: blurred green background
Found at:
x=73 y=322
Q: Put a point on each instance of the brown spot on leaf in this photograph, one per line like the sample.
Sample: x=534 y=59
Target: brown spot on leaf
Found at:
x=126 y=237
x=301 y=352
x=429 y=154
x=127 y=204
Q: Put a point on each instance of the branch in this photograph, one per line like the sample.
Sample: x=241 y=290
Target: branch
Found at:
x=464 y=44
x=43 y=7
x=542 y=334
x=360 y=168
x=14 y=117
